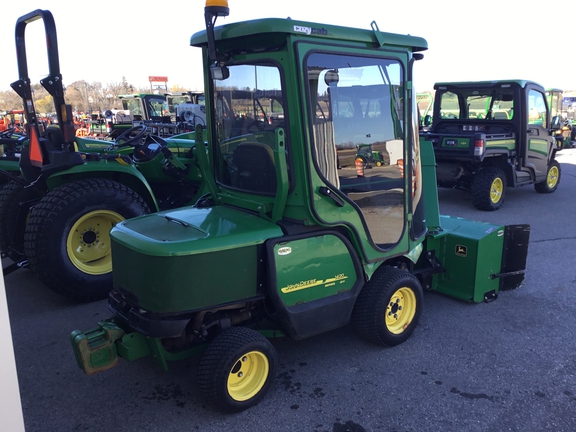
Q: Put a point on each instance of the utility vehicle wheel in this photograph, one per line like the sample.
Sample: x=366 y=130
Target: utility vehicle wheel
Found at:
x=389 y=307
x=552 y=179
x=237 y=369
x=67 y=238
x=488 y=189
x=10 y=196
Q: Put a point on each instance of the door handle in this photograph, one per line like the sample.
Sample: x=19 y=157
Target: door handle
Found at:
x=328 y=193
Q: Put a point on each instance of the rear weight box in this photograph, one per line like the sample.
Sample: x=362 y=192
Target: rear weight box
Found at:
x=479 y=259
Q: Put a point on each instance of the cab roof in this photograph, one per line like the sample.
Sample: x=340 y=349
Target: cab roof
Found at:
x=494 y=83
x=310 y=30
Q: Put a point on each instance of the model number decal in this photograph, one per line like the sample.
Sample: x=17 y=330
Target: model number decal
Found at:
x=284 y=250
x=305 y=284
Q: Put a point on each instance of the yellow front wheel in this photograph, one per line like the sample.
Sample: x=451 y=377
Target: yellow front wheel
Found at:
x=401 y=310
x=389 y=307
x=552 y=180
x=237 y=368
x=248 y=376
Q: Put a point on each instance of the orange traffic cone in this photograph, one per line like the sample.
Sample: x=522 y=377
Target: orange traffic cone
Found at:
x=359 y=167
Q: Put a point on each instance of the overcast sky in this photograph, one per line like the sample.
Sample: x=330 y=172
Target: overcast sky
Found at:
x=480 y=40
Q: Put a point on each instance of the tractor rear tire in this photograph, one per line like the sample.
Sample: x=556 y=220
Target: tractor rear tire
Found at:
x=10 y=196
x=552 y=179
x=67 y=238
x=389 y=307
x=488 y=189
x=237 y=369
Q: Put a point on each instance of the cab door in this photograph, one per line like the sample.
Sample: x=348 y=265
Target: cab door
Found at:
x=357 y=102
x=538 y=140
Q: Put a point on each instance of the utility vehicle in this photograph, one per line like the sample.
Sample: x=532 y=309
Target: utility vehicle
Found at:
x=566 y=134
x=490 y=135
x=284 y=243
x=58 y=215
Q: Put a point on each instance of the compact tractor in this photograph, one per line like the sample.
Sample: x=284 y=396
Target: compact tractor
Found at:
x=284 y=242
x=56 y=216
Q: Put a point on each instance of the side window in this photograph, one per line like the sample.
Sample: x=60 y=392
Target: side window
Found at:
x=248 y=107
x=158 y=108
x=358 y=136
x=449 y=106
x=536 y=108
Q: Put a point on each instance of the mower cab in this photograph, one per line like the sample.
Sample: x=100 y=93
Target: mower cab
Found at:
x=308 y=246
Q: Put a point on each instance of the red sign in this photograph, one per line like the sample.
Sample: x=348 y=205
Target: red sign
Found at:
x=158 y=79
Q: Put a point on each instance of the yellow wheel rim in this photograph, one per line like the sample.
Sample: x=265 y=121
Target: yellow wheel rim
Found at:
x=88 y=242
x=248 y=376
x=378 y=163
x=552 y=178
x=496 y=190
x=401 y=310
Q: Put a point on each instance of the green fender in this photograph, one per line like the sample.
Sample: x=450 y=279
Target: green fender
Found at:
x=116 y=170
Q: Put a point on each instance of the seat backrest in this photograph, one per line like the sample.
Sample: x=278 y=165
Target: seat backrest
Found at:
x=255 y=165
x=500 y=115
x=123 y=117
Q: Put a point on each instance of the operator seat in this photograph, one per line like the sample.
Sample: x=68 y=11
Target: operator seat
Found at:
x=255 y=167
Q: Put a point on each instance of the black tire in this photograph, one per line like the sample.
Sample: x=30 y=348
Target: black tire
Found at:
x=389 y=307
x=553 y=174
x=10 y=196
x=67 y=238
x=488 y=189
x=237 y=369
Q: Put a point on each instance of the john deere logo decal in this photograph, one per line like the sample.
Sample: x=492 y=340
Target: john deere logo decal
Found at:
x=461 y=251
x=305 y=284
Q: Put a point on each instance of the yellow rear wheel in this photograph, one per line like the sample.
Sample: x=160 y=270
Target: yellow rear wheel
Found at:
x=88 y=242
x=496 y=190
x=237 y=369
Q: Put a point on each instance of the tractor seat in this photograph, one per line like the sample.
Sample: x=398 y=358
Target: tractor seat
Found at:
x=255 y=166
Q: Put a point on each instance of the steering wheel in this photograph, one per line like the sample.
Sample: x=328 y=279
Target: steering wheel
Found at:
x=7 y=133
x=149 y=149
x=123 y=139
x=256 y=124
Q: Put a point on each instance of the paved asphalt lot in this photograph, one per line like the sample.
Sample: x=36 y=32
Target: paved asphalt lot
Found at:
x=505 y=365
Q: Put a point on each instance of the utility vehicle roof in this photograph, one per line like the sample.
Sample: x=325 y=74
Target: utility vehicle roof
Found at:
x=495 y=83
x=308 y=29
x=140 y=95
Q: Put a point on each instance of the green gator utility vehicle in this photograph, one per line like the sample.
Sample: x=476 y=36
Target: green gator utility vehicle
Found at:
x=284 y=243
x=566 y=135
x=58 y=215
x=491 y=135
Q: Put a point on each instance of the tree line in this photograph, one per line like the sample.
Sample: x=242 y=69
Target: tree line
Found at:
x=84 y=97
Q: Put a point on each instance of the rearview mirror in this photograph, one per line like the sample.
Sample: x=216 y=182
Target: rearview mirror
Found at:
x=219 y=73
